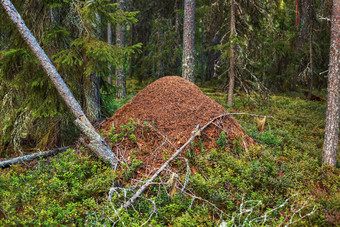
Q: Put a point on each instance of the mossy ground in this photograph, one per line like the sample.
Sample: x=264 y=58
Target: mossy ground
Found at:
x=73 y=187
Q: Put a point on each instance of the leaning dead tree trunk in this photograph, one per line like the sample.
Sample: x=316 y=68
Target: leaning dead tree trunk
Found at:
x=58 y=82
x=31 y=157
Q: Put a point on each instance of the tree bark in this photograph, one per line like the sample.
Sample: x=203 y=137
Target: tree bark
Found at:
x=333 y=98
x=132 y=57
x=109 y=41
x=93 y=98
x=188 y=60
x=297 y=21
x=202 y=55
x=56 y=79
x=120 y=41
x=311 y=51
x=232 y=57
x=97 y=144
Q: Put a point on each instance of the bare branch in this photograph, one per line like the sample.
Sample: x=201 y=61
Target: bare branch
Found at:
x=31 y=157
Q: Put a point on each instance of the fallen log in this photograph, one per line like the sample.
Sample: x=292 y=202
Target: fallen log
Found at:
x=31 y=157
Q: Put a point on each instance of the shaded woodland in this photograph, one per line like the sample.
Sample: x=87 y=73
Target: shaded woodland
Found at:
x=247 y=136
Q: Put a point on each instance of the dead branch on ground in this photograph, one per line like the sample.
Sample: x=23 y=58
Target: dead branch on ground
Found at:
x=178 y=152
x=31 y=157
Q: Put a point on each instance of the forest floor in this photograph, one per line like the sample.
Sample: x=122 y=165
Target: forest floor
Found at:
x=280 y=181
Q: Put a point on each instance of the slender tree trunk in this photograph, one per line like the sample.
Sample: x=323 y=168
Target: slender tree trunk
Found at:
x=120 y=41
x=333 y=98
x=178 y=26
x=99 y=146
x=160 y=66
x=92 y=109
x=188 y=60
x=311 y=51
x=202 y=55
x=92 y=90
x=232 y=57
x=132 y=57
x=297 y=21
x=109 y=41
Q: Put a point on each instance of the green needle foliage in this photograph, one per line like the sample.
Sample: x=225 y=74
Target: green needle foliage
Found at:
x=71 y=33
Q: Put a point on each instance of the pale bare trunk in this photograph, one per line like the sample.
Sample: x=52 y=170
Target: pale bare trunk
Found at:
x=188 y=60
x=333 y=99
x=120 y=41
x=232 y=57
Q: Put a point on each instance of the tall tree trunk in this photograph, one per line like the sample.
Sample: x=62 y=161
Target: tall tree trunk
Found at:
x=232 y=57
x=202 y=54
x=188 y=60
x=132 y=57
x=333 y=98
x=120 y=41
x=178 y=26
x=297 y=22
x=303 y=17
x=92 y=90
x=109 y=41
x=92 y=109
x=160 y=66
x=97 y=144
x=311 y=50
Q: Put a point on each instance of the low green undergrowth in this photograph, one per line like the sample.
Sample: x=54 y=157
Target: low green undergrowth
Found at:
x=276 y=182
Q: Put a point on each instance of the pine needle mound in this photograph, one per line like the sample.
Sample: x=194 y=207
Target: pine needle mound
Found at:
x=175 y=107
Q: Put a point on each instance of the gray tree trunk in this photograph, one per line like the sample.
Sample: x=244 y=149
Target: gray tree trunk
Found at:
x=93 y=98
x=303 y=16
x=99 y=146
x=232 y=56
x=120 y=41
x=93 y=90
x=333 y=98
x=311 y=52
x=132 y=57
x=188 y=60
x=202 y=54
x=109 y=40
